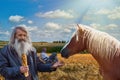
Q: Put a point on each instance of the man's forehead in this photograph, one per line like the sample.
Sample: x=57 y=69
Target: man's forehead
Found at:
x=20 y=31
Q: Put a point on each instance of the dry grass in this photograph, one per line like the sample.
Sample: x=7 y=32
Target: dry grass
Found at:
x=77 y=67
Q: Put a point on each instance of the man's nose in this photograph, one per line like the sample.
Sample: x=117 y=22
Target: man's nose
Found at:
x=23 y=37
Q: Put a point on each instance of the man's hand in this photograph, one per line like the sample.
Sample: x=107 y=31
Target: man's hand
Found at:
x=58 y=64
x=24 y=69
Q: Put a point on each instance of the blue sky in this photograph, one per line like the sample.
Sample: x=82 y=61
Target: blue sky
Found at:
x=51 y=20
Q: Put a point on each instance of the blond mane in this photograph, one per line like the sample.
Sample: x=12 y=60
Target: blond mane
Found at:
x=101 y=43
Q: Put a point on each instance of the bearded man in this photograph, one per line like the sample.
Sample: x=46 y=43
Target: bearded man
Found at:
x=11 y=58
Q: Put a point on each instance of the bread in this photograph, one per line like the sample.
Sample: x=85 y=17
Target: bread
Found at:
x=24 y=63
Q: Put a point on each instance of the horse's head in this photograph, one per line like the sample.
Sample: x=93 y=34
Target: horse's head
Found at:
x=76 y=44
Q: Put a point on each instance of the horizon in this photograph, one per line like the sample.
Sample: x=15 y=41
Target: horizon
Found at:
x=38 y=41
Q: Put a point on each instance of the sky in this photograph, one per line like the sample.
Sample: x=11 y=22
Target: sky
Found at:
x=55 y=20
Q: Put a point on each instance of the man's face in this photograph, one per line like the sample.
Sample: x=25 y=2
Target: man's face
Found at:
x=21 y=44
x=21 y=35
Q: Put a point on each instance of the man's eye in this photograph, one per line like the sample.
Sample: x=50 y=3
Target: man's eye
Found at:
x=20 y=35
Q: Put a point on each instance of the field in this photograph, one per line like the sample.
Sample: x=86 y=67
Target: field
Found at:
x=2 y=43
x=77 y=67
x=41 y=44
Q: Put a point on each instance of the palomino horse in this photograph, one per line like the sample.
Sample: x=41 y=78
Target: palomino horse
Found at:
x=103 y=47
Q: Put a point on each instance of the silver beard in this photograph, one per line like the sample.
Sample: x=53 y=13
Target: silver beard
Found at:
x=22 y=47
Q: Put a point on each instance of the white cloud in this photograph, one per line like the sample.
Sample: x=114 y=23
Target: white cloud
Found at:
x=115 y=13
x=5 y=33
x=67 y=30
x=111 y=14
x=106 y=28
x=103 y=11
x=114 y=16
x=55 y=14
x=94 y=25
x=52 y=25
x=30 y=22
x=16 y=18
x=54 y=31
x=111 y=26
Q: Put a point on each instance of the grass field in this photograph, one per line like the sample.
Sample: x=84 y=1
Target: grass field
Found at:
x=38 y=44
x=3 y=43
x=77 y=67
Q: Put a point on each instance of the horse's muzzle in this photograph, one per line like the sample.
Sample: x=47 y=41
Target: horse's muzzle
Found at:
x=64 y=53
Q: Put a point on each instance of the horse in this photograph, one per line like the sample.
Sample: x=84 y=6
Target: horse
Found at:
x=102 y=46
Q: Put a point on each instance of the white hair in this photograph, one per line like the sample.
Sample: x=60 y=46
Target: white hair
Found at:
x=12 y=38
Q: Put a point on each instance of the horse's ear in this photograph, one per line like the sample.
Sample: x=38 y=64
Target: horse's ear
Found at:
x=80 y=28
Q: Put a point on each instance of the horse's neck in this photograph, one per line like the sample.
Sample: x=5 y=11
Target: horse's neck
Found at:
x=102 y=45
